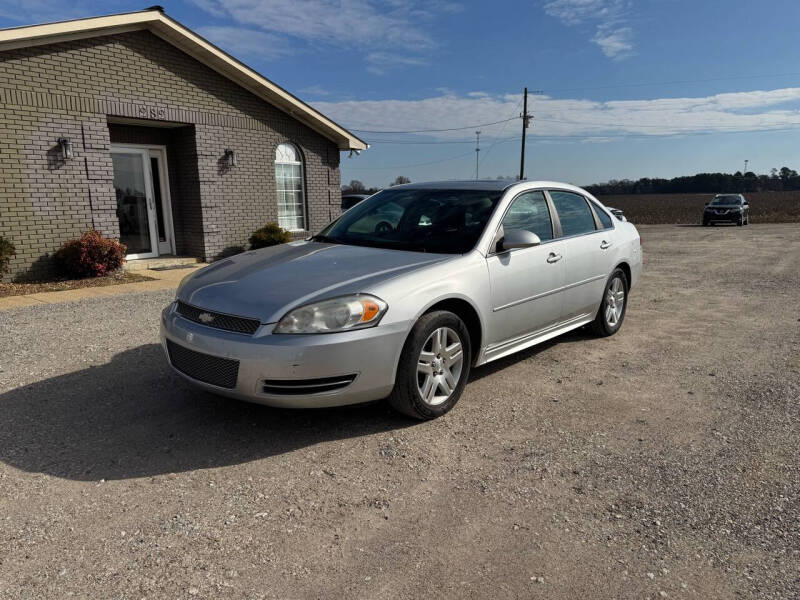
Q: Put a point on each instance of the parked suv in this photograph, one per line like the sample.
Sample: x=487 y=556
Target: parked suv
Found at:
x=727 y=208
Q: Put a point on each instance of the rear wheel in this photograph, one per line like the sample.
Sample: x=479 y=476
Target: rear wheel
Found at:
x=433 y=368
x=612 y=309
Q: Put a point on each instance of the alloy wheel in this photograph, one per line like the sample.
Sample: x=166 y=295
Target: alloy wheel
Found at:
x=615 y=302
x=439 y=366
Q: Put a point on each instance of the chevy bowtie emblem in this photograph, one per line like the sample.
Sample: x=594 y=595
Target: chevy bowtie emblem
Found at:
x=205 y=318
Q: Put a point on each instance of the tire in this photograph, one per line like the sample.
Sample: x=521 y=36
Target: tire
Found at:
x=705 y=223
x=419 y=349
x=740 y=222
x=603 y=325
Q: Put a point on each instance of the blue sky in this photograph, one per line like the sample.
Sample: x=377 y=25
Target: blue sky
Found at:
x=627 y=89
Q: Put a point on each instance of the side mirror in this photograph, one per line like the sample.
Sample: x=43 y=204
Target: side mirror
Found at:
x=518 y=238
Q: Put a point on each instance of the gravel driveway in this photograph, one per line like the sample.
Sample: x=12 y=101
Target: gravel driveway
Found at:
x=661 y=462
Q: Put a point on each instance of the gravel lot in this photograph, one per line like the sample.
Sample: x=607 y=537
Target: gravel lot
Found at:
x=662 y=462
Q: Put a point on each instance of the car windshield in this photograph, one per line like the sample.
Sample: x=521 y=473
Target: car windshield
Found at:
x=420 y=220
x=726 y=200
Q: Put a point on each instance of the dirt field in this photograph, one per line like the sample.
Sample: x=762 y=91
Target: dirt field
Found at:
x=661 y=462
x=765 y=207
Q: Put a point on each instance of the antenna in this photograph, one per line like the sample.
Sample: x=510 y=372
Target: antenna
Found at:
x=477 y=151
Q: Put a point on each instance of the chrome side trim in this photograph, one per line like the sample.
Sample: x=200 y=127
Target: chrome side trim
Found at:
x=548 y=293
x=502 y=349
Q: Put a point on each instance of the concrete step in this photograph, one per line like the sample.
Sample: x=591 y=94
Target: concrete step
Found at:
x=162 y=261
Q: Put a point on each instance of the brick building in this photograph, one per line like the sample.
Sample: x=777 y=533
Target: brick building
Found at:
x=136 y=126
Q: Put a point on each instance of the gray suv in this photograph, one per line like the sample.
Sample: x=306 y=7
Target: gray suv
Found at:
x=727 y=208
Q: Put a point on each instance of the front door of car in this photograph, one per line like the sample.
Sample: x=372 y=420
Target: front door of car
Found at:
x=525 y=282
x=586 y=252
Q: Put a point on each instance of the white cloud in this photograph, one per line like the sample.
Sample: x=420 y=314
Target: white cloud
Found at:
x=616 y=44
x=243 y=42
x=394 y=34
x=573 y=117
x=40 y=11
x=609 y=17
x=383 y=62
x=316 y=90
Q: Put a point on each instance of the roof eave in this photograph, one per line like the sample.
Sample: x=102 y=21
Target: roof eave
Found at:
x=194 y=45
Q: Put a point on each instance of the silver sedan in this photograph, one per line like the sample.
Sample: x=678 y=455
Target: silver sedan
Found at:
x=403 y=294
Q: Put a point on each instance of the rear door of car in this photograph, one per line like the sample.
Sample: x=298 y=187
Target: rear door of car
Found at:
x=586 y=241
x=525 y=282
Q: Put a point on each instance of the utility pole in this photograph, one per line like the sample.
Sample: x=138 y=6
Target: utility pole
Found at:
x=745 y=165
x=526 y=118
x=477 y=151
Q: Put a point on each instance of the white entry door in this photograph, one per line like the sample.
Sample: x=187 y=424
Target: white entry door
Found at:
x=143 y=204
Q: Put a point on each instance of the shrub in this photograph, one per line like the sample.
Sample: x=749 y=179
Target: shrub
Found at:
x=7 y=250
x=91 y=255
x=269 y=235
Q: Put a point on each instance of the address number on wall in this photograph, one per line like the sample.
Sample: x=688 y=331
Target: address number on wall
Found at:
x=152 y=112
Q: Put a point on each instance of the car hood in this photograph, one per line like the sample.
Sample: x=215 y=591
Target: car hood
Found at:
x=266 y=283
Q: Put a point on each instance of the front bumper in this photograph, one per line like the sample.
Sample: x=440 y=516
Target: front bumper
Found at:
x=369 y=354
x=732 y=217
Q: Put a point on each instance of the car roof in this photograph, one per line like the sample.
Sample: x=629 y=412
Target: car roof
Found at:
x=482 y=184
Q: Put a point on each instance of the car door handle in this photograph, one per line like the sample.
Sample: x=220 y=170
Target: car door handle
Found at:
x=604 y=245
x=553 y=257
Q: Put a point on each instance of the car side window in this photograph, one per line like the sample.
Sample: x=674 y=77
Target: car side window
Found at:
x=573 y=213
x=605 y=220
x=529 y=211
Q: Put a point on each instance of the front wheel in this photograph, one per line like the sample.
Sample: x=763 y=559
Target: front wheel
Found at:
x=612 y=309
x=433 y=368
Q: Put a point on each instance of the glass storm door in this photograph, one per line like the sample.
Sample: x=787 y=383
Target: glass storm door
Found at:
x=142 y=201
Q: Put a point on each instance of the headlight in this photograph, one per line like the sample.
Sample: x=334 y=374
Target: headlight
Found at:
x=337 y=314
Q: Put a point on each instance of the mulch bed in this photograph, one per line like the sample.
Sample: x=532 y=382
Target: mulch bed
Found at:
x=35 y=287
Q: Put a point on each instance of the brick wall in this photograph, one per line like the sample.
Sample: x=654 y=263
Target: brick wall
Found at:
x=73 y=88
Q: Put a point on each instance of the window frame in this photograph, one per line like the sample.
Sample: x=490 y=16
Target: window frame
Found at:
x=303 y=195
x=597 y=224
x=596 y=208
x=554 y=224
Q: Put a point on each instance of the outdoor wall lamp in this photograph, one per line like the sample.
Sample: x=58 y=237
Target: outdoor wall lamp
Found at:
x=66 y=148
x=230 y=158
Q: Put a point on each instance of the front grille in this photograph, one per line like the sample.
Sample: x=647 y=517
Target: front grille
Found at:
x=298 y=387
x=221 y=372
x=218 y=320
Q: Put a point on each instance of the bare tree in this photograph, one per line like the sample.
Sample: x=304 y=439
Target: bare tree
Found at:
x=354 y=187
x=400 y=180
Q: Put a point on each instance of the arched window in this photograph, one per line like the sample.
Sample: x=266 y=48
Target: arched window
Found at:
x=291 y=193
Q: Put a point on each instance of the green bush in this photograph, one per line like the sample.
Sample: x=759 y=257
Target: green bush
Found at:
x=269 y=235
x=7 y=250
x=90 y=255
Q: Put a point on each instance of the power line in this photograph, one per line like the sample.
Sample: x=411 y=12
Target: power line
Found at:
x=634 y=125
x=432 y=162
x=676 y=82
x=557 y=138
x=435 y=130
x=598 y=134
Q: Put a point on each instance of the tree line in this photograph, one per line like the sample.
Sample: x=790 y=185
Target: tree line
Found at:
x=356 y=187
x=778 y=180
